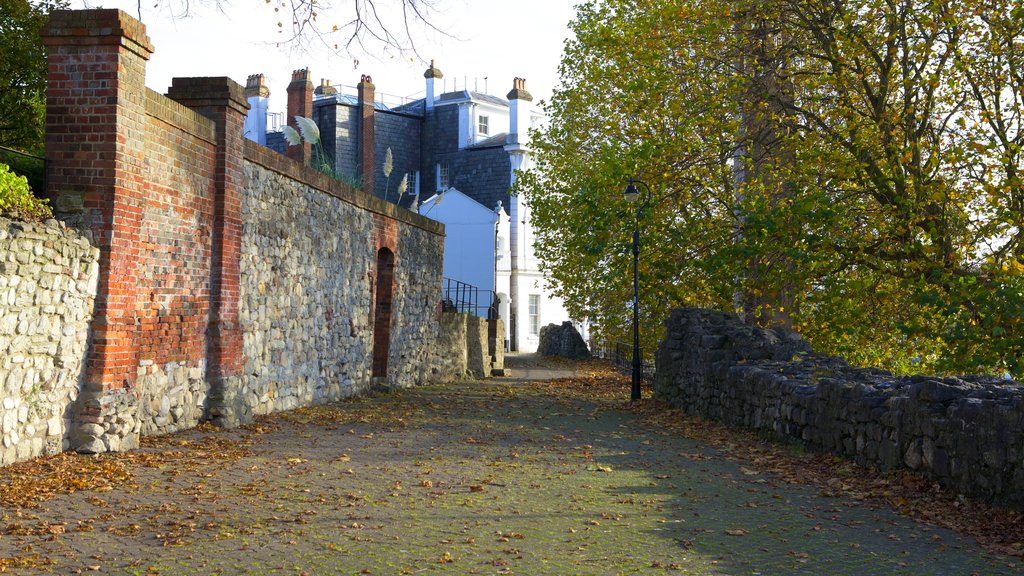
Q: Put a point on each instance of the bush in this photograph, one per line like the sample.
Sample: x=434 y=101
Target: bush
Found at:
x=16 y=199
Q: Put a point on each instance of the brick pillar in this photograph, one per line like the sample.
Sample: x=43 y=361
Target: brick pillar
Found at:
x=300 y=103
x=95 y=150
x=224 y=102
x=365 y=90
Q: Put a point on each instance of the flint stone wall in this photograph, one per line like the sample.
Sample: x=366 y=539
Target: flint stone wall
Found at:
x=306 y=298
x=48 y=276
x=965 y=432
x=451 y=359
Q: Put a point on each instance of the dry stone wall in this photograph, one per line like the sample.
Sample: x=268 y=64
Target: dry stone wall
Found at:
x=965 y=432
x=48 y=276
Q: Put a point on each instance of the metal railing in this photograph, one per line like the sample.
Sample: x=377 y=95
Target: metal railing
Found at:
x=621 y=356
x=465 y=298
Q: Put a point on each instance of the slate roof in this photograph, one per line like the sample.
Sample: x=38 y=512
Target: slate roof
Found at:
x=470 y=95
x=414 y=107
x=496 y=140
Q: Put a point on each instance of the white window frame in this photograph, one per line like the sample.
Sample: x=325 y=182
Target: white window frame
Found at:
x=533 y=311
x=483 y=125
x=444 y=179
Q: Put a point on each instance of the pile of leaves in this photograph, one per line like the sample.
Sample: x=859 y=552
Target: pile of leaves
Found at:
x=34 y=481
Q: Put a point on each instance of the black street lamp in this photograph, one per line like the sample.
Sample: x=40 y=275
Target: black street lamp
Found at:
x=633 y=195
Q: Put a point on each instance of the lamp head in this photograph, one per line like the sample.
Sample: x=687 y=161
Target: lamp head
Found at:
x=631 y=194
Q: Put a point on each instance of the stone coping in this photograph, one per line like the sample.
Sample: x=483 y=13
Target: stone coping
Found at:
x=281 y=164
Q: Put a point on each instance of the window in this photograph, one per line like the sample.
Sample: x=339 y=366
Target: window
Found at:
x=482 y=125
x=443 y=180
x=534 y=314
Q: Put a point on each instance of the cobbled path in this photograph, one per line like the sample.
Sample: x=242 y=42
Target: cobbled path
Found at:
x=501 y=477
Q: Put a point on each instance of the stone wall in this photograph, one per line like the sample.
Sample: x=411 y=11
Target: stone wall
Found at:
x=229 y=280
x=463 y=349
x=48 y=277
x=965 y=432
x=562 y=340
x=307 y=290
x=478 y=361
x=450 y=351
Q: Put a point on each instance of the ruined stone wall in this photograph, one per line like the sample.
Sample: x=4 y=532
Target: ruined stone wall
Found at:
x=965 y=432
x=450 y=351
x=462 y=349
x=48 y=276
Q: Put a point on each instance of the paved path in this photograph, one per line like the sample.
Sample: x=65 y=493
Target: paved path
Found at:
x=531 y=367
x=503 y=477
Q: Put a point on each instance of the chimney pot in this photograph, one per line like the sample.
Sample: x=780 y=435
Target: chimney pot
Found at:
x=519 y=91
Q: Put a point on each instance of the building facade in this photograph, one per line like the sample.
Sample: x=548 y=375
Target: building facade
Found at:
x=458 y=154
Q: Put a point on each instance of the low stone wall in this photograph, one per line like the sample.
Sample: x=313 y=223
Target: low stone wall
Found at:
x=450 y=352
x=496 y=344
x=965 y=432
x=477 y=358
x=462 y=350
x=48 y=276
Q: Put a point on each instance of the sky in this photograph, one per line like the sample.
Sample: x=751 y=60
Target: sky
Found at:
x=487 y=44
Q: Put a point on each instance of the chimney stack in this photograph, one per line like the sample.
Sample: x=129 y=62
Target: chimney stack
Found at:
x=365 y=89
x=325 y=88
x=431 y=74
x=519 y=111
x=300 y=103
x=258 y=95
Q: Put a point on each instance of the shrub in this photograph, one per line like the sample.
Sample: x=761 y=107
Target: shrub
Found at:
x=16 y=199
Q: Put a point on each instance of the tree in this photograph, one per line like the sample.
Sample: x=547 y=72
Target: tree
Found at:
x=23 y=73
x=361 y=26
x=860 y=158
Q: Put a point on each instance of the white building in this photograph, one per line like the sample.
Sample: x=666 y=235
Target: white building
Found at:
x=460 y=152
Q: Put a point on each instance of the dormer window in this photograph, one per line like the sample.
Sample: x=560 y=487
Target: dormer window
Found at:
x=483 y=125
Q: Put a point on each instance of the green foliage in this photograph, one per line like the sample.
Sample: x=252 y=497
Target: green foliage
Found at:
x=851 y=166
x=23 y=73
x=17 y=201
x=30 y=166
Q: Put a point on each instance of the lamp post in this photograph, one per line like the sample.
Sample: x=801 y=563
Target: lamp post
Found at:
x=631 y=194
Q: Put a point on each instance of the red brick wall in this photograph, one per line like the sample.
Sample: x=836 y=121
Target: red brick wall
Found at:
x=159 y=188
x=96 y=150
x=173 y=297
x=159 y=182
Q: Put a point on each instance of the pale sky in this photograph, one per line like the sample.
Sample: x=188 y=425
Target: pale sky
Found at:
x=494 y=41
